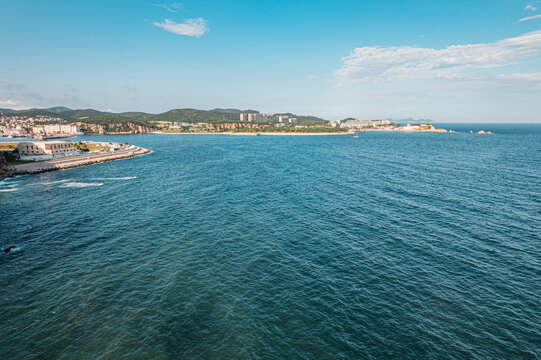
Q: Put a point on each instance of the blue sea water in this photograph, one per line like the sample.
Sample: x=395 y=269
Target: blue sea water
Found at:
x=392 y=245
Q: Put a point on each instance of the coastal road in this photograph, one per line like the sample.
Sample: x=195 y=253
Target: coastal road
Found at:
x=94 y=156
x=75 y=161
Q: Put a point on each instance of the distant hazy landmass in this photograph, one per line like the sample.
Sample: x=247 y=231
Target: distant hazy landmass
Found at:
x=176 y=115
x=92 y=120
x=411 y=121
x=103 y=122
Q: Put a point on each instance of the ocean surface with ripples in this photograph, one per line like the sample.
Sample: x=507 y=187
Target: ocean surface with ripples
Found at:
x=392 y=245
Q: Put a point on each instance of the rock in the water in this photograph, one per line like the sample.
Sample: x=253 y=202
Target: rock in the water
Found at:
x=8 y=249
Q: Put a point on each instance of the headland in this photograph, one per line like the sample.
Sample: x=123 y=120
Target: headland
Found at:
x=89 y=153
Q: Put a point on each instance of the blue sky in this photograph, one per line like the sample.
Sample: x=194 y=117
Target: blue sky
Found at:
x=450 y=61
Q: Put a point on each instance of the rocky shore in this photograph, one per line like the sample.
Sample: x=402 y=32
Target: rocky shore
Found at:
x=71 y=162
x=5 y=171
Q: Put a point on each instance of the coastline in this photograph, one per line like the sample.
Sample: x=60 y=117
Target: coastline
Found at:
x=72 y=162
x=256 y=133
x=407 y=131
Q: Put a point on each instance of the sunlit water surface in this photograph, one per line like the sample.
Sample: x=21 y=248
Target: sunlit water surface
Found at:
x=386 y=246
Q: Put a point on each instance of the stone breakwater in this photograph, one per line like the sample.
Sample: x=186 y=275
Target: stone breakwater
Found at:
x=83 y=160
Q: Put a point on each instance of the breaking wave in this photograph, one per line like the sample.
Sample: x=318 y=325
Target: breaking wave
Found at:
x=8 y=189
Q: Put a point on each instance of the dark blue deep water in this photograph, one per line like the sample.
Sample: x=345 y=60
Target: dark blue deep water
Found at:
x=223 y=247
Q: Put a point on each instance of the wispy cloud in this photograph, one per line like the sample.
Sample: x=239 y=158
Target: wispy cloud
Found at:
x=531 y=17
x=384 y=64
x=27 y=97
x=174 y=7
x=532 y=5
x=191 y=27
x=9 y=102
x=129 y=88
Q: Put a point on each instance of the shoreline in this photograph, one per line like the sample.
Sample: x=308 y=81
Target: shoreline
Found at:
x=408 y=131
x=256 y=133
x=72 y=162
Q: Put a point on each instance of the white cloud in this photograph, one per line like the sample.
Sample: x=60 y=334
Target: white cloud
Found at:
x=8 y=102
x=13 y=104
x=129 y=88
x=191 y=27
x=532 y=5
x=531 y=17
x=384 y=64
x=174 y=7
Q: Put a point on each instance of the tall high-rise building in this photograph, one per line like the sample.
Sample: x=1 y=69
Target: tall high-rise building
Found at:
x=259 y=117
x=283 y=119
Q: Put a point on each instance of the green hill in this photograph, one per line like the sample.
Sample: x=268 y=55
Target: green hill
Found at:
x=306 y=120
x=34 y=113
x=187 y=115
x=136 y=115
x=8 y=111
x=111 y=123
x=194 y=116
x=81 y=113
x=112 y=119
x=56 y=109
x=233 y=111
x=221 y=115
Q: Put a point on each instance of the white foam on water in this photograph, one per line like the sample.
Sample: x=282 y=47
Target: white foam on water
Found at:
x=80 y=184
x=10 y=181
x=117 y=178
x=54 y=182
x=9 y=189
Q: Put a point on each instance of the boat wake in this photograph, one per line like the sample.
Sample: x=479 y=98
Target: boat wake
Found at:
x=117 y=178
x=80 y=184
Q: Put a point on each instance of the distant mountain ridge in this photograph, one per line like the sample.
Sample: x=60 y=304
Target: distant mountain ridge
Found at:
x=186 y=115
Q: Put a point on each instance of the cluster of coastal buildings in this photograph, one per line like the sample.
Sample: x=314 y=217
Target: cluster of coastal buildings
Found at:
x=257 y=117
x=382 y=125
x=53 y=149
x=15 y=126
x=54 y=129
x=23 y=126
x=360 y=124
x=46 y=150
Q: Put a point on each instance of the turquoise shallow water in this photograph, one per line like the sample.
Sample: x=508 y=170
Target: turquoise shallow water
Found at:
x=387 y=246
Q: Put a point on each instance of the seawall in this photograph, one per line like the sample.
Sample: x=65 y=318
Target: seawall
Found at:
x=71 y=162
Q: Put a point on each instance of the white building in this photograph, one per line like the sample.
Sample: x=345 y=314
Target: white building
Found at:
x=243 y=117
x=56 y=129
x=258 y=117
x=364 y=124
x=44 y=150
x=411 y=127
